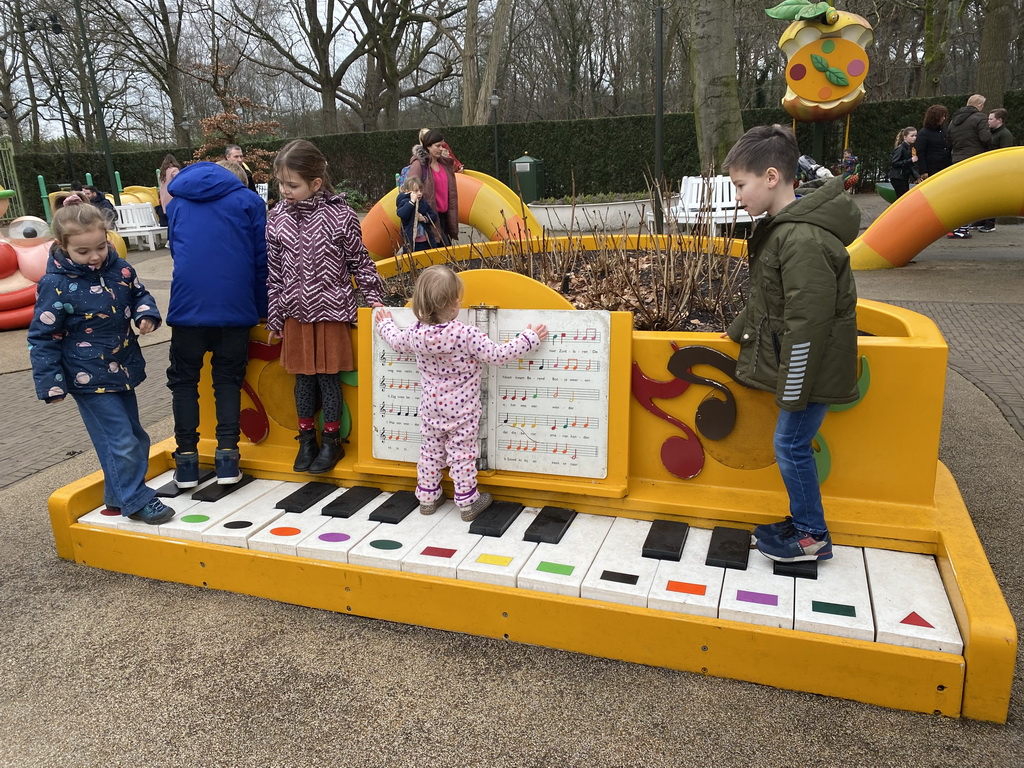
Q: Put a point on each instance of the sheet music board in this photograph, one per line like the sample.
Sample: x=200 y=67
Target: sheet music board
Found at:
x=546 y=413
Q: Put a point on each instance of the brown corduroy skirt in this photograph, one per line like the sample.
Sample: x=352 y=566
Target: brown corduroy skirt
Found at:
x=309 y=348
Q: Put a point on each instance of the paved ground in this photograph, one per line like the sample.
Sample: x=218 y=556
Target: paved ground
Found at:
x=103 y=669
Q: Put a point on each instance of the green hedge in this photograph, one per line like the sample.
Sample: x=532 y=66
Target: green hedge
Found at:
x=593 y=156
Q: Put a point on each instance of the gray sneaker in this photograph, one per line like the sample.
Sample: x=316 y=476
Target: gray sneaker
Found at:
x=430 y=507
x=483 y=501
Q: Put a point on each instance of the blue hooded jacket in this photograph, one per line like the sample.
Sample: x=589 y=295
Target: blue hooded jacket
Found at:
x=217 y=233
x=81 y=340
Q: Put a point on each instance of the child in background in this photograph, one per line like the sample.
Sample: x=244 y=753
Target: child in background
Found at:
x=81 y=344
x=218 y=292
x=168 y=170
x=450 y=357
x=798 y=332
x=314 y=249
x=903 y=164
x=419 y=220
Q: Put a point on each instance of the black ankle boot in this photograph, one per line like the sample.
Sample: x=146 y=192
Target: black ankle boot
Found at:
x=308 y=450
x=330 y=454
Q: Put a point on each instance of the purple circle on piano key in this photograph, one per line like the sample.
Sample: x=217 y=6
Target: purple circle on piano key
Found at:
x=334 y=537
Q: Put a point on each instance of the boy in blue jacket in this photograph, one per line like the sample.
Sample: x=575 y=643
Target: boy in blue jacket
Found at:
x=217 y=235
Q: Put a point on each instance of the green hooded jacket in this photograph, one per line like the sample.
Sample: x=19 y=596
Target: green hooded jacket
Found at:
x=798 y=332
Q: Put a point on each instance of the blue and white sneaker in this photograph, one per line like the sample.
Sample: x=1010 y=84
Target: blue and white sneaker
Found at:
x=779 y=529
x=796 y=547
x=225 y=462
x=154 y=513
x=186 y=469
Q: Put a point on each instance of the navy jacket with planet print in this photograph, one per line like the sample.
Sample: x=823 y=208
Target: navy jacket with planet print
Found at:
x=81 y=340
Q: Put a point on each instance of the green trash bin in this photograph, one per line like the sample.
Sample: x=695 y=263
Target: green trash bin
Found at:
x=526 y=177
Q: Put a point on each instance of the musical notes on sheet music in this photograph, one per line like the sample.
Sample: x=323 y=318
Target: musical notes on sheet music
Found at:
x=551 y=406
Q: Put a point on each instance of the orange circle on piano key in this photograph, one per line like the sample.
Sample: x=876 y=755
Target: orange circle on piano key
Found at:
x=285 y=530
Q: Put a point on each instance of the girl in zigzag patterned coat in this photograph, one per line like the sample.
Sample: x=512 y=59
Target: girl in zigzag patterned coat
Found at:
x=314 y=249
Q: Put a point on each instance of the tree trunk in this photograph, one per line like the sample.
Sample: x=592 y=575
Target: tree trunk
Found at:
x=33 y=103
x=716 y=101
x=993 y=62
x=499 y=30
x=470 y=73
x=934 y=38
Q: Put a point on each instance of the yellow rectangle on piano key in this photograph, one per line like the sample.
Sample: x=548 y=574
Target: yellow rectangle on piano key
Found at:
x=494 y=559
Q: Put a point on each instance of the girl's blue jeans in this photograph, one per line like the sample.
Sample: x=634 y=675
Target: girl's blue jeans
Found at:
x=794 y=432
x=112 y=420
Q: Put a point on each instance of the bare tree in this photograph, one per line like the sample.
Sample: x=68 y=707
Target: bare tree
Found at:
x=1000 y=23
x=716 y=103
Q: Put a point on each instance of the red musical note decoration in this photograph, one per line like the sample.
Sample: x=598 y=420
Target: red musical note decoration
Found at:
x=254 y=423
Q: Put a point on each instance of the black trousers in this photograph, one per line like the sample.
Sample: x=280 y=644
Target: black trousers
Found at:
x=230 y=348
x=901 y=186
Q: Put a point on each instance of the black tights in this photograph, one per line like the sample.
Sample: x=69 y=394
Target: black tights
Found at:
x=330 y=395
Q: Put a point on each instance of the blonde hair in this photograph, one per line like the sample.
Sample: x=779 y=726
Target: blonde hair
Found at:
x=437 y=290
x=75 y=218
x=412 y=184
x=236 y=169
x=903 y=134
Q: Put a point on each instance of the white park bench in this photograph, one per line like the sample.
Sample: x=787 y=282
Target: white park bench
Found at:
x=137 y=221
x=710 y=202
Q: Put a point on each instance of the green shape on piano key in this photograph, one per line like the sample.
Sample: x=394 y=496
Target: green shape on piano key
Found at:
x=836 y=609
x=386 y=544
x=195 y=518
x=563 y=570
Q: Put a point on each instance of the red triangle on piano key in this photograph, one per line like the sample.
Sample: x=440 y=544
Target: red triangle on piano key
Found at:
x=915 y=620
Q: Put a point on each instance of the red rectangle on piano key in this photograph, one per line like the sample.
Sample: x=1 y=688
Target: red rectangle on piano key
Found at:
x=686 y=587
x=438 y=552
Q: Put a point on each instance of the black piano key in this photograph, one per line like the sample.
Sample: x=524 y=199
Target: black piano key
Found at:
x=550 y=525
x=807 y=569
x=665 y=540
x=171 y=490
x=216 y=492
x=396 y=508
x=620 y=578
x=351 y=501
x=729 y=548
x=496 y=519
x=305 y=497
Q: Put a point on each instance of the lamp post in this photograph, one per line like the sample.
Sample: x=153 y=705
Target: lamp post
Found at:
x=495 y=100
x=97 y=104
x=659 y=118
x=186 y=126
x=51 y=24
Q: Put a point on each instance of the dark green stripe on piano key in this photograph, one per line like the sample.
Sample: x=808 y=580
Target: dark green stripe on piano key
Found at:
x=559 y=568
x=836 y=609
x=619 y=578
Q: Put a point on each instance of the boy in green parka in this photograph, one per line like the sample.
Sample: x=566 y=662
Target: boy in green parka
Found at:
x=798 y=332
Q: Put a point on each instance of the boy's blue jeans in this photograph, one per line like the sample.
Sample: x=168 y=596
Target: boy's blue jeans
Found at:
x=794 y=432
x=112 y=420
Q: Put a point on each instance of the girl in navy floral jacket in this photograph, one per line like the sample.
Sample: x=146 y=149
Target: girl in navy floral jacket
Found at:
x=81 y=344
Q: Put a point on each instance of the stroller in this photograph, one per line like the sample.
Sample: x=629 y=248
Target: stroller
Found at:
x=810 y=174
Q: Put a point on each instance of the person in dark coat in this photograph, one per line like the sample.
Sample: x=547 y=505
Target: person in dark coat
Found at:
x=903 y=165
x=1001 y=138
x=419 y=220
x=217 y=235
x=932 y=145
x=969 y=135
x=436 y=170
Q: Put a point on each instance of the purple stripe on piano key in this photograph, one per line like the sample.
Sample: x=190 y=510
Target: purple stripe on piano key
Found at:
x=760 y=598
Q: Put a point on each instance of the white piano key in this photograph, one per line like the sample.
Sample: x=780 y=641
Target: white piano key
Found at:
x=239 y=506
x=620 y=573
x=284 y=535
x=757 y=595
x=838 y=602
x=252 y=516
x=560 y=568
x=910 y=602
x=103 y=516
x=688 y=586
x=335 y=538
x=389 y=543
x=182 y=504
x=499 y=559
x=440 y=552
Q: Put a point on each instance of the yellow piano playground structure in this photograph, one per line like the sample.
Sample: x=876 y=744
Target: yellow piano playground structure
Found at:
x=908 y=614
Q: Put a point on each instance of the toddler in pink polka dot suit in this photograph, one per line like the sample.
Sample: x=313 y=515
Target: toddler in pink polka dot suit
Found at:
x=450 y=356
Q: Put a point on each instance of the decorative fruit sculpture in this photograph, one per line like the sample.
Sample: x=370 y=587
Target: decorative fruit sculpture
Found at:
x=827 y=60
